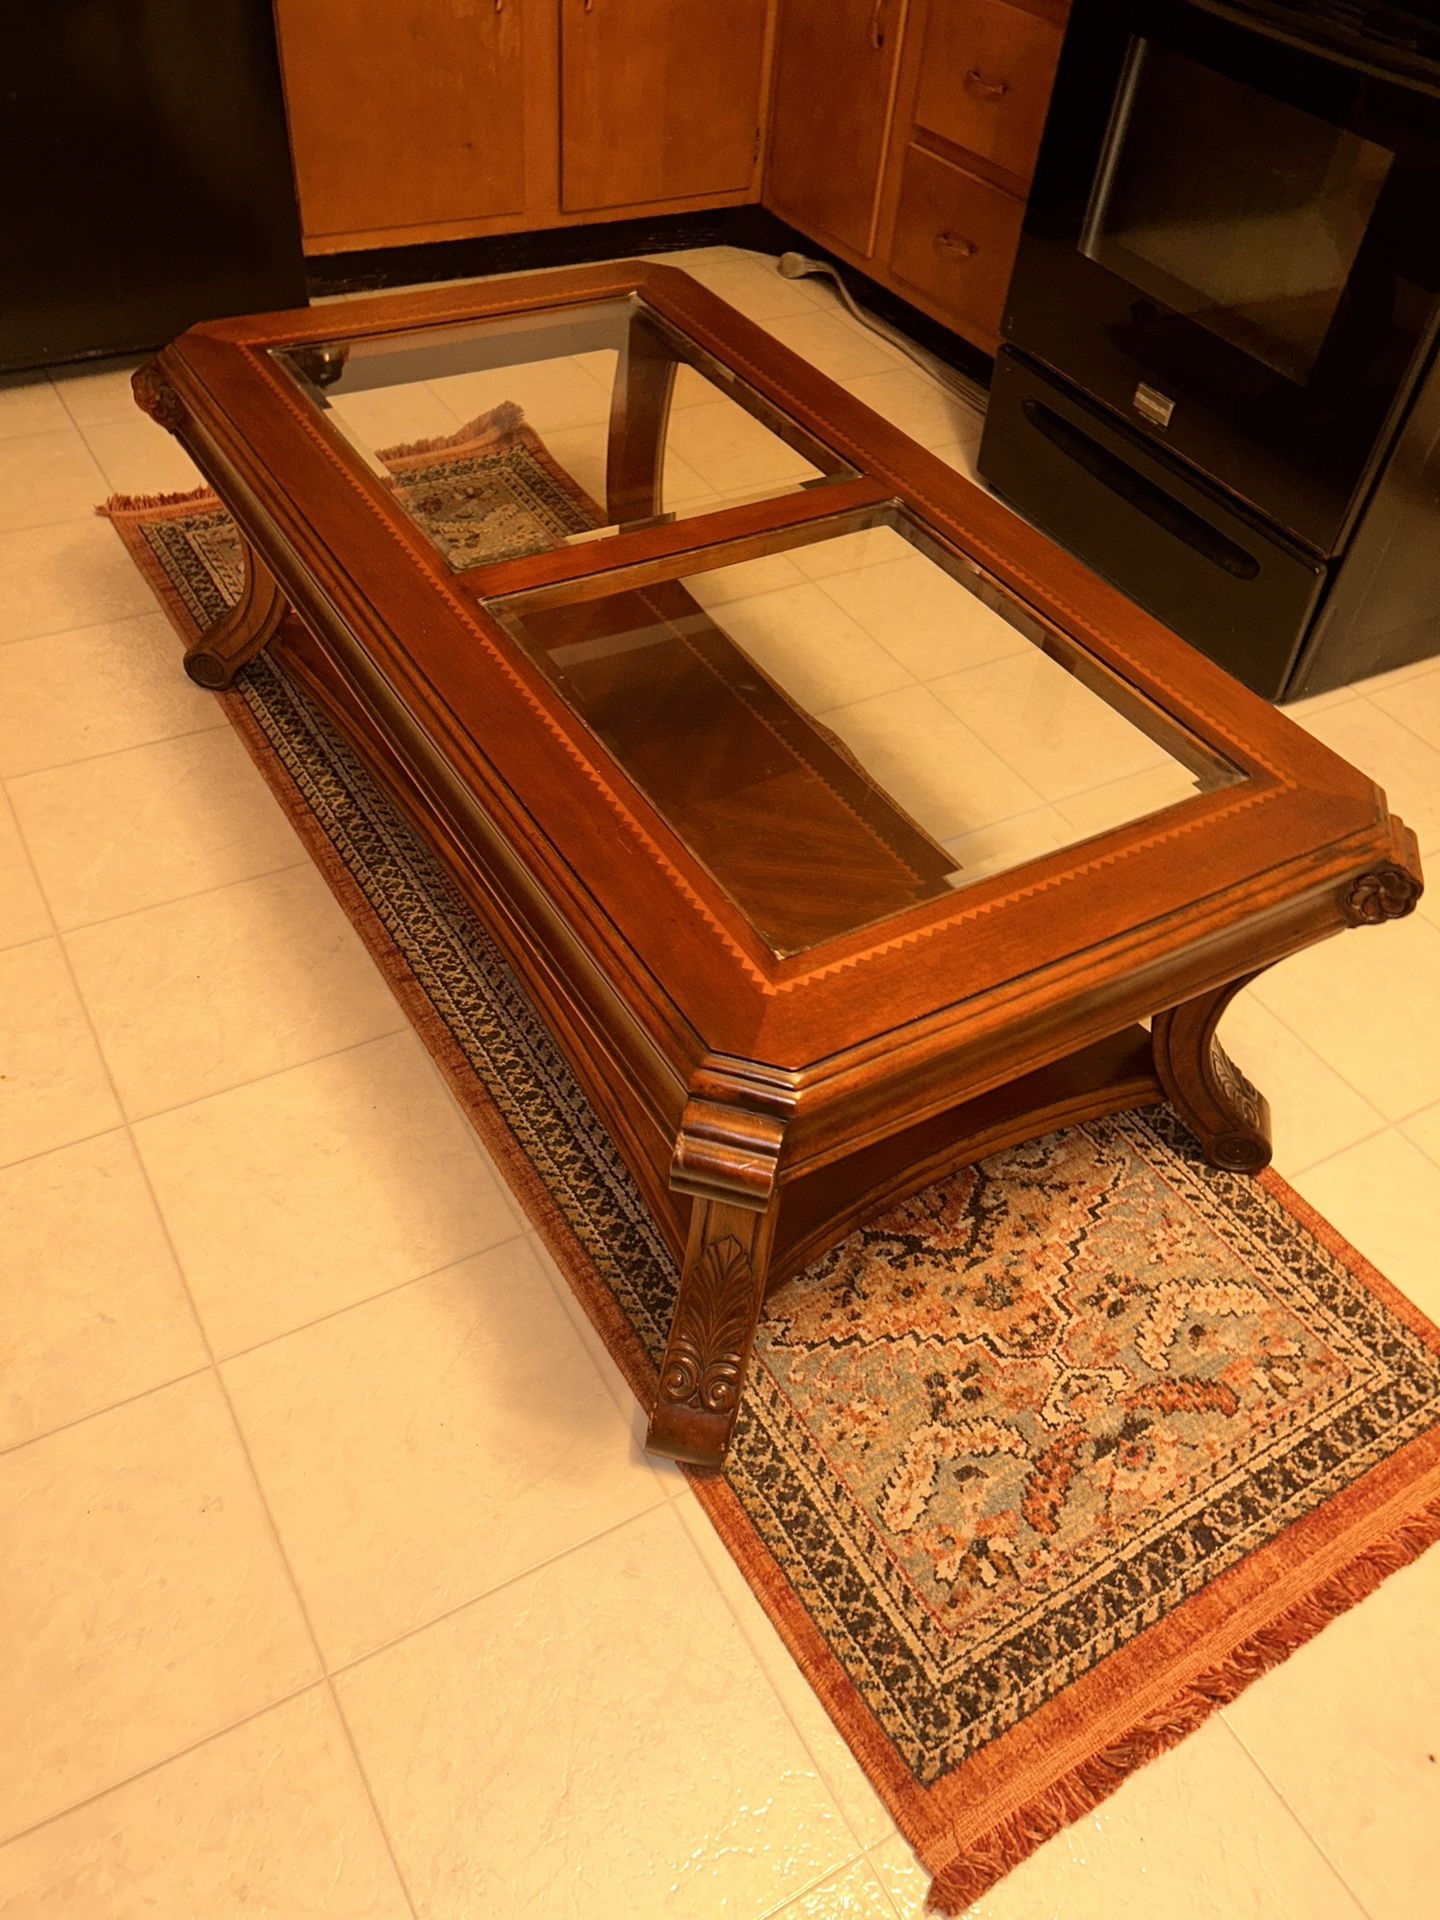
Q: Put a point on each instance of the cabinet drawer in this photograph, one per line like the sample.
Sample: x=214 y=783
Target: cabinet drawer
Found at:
x=985 y=76
x=955 y=240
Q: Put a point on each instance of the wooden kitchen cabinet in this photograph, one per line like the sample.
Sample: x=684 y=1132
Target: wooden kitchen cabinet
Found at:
x=898 y=134
x=902 y=137
x=406 y=115
x=835 y=66
x=417 y=120
x=970 y=107
x=659 y=100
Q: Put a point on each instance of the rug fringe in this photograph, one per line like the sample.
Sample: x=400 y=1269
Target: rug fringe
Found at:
x=987 y=1860
x=121 y=504
x=499 y=420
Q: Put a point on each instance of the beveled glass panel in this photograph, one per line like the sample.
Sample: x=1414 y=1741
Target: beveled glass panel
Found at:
x=852 y=720
x=517 y=435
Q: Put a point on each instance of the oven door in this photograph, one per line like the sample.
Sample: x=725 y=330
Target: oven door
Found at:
x=1233 y=241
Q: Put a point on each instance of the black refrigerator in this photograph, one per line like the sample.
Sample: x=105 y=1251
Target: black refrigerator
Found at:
x=146 y=174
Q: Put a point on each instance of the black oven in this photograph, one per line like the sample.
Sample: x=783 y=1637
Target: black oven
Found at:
x=1231 y=261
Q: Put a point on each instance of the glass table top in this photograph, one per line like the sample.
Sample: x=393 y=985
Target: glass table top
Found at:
x=853 y=721
x=516 y=435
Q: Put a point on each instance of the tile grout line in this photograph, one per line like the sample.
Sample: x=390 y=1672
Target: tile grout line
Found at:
x=115 y=365
x=242 y=1443
x=1403 y=1128
x=110 y=1406
x=573 y=1308
x=1313 y=1838
x=272 y=1525
x=1293 y=1174
x=57 y=633
x=98 y=626
x=125 y=1121
x=86 y=519
x=61 y=1146
x=1344 y=1080
x=369 y=1299
x=179 y=899
x=1404 y=725
x=256 y=1080
x=870 y=1852
x=1391 y=1126
x=764 y=1672
x=789 y=1901
x=660 y=1504
x=10 y=780
x=157 y=1766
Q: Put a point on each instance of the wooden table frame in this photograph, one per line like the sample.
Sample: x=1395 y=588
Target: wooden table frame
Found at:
x=766 y=1105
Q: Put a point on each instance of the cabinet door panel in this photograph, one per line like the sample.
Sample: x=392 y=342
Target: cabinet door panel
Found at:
x=834 y=71
x=403 y=113
x=660 y=99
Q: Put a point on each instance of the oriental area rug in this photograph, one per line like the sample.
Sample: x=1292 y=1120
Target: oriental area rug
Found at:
x=1034 y=1472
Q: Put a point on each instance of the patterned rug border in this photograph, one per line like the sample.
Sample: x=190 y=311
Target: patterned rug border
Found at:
x=1063 y=1760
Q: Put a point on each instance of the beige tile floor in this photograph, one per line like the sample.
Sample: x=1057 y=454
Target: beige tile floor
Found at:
x=336 y=1581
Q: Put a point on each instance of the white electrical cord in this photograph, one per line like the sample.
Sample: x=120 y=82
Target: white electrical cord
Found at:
x=799 y=266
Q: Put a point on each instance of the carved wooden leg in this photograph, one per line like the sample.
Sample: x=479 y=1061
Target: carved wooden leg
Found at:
x=1205 y=1087
x=703 y=1372
x=727 y=1154
x=213 y=660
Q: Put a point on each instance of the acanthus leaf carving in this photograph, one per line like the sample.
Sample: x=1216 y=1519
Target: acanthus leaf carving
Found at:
x=705 y=1358
x=1235 y=1089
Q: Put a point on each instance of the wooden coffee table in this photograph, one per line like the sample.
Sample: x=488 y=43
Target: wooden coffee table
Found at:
x=841 y=828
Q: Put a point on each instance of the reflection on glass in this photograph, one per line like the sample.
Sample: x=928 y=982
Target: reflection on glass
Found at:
x=514 y=436
x=1232 y=207
x=844 y=728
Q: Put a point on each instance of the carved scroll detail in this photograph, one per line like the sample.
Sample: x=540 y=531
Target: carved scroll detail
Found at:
x=159 y=399
x=1230 y=1117
x=1239 y=1092
x=705 y=1358
x=215 y=657
x=726 y=1152
x=1388 y=893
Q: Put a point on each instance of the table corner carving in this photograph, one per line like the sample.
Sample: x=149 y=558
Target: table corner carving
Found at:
x=1385 y=893
x=156 y=396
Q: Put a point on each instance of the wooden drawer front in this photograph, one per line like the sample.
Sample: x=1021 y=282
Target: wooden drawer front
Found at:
x=985 y=76
x=955 y=240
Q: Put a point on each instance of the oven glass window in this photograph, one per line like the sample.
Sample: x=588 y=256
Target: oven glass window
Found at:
x=1229 y=206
